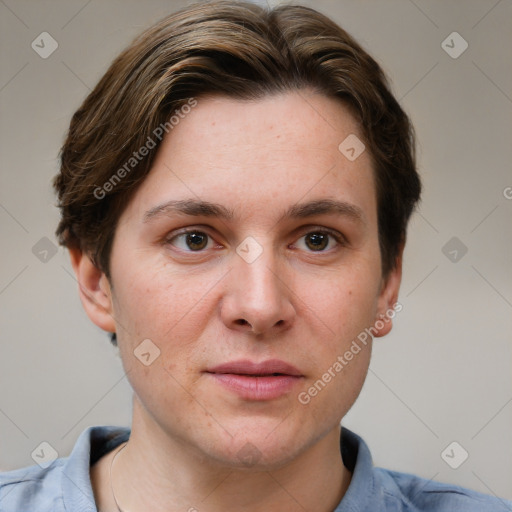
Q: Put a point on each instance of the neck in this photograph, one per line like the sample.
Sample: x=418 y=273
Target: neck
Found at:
x=157 y=473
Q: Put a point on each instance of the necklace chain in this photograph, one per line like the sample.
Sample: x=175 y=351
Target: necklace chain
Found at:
x=110 y=476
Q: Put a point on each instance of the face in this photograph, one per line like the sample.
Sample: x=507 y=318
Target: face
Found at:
x=250 y=258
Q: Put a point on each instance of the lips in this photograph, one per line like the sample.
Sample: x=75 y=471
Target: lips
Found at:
x=267 y=380
x=245 y=367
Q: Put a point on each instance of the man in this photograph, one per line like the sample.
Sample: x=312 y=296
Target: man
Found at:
x=235 y=194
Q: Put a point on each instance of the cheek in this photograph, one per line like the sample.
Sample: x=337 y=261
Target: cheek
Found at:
x=344 y=303
x=339 y=358
x=172 y=310
x=338 y=348
x=336 y=379
x=167 y=311
x=157 y=304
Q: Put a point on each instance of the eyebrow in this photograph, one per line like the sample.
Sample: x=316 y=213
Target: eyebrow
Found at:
x=193 y=207
x=199 y=208
x=325 y=207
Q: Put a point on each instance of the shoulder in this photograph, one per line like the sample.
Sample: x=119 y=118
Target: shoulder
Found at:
x=32 y=488
x=410 y=492
x=64 y=485
x=379 y=489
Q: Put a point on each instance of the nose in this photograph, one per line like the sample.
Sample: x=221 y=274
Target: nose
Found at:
x=257 y=299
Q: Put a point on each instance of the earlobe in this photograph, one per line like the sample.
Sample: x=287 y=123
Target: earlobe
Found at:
x=94 y=289
x=388 y=298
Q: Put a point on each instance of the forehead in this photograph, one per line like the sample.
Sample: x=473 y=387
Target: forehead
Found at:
x=254 y=156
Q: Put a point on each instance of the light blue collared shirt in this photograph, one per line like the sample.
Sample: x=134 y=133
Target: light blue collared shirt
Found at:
x=65 y=485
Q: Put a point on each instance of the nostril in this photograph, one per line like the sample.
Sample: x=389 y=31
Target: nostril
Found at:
x=241 y=321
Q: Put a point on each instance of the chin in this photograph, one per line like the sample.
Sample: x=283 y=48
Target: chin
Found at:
x=249 y=456
x=259 y=444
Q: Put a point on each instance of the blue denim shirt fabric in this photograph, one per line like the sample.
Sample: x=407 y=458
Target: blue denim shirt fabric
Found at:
x=65 y=485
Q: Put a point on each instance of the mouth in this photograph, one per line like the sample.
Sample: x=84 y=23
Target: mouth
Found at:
x=267 y=380
x=271 y=367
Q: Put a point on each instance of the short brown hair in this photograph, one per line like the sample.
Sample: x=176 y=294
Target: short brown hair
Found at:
x=243 y=51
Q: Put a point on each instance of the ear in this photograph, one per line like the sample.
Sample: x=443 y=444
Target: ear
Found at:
x=94 y=289
x=388 y=298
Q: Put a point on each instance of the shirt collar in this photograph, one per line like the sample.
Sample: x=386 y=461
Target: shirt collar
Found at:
x=94 y=442
x=357 y=459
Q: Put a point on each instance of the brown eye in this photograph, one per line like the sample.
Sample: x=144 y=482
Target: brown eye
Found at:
x=196 y=241
x=317 y=241
x=190 y=241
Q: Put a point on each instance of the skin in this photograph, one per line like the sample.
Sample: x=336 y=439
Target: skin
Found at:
x=207 y=307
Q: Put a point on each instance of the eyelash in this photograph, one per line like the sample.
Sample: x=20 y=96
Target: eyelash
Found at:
x=338 y=237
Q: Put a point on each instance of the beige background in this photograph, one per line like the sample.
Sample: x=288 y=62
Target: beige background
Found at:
x=442 y=375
